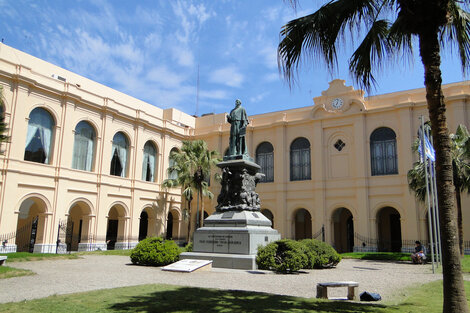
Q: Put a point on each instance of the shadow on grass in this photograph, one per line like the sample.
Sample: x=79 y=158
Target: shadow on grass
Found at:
x=186 y=299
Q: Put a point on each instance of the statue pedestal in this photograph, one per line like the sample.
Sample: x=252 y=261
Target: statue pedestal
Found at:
x=231 y=236
x=231 y=239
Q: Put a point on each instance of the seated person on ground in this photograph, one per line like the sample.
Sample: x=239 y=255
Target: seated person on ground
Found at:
x=418 y=256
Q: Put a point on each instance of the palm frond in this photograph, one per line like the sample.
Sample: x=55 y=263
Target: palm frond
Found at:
x=458 y=31
x=370 y=53
x=317 y=34
x=417 y=181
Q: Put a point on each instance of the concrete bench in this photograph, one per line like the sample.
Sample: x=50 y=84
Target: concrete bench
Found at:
x=322 y=289
x=3 y=260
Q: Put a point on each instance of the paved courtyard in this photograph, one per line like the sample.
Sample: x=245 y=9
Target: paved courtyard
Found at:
x=94 y=272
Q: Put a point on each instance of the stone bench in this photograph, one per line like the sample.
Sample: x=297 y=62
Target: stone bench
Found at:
x=322 y=289
x=3 y=260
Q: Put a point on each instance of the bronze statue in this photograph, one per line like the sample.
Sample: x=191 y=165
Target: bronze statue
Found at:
x=238 y=120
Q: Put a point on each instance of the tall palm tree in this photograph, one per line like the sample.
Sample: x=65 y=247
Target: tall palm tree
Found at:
x=461 y=172
x=460 y=143
x=192 y=164
x=390 y=27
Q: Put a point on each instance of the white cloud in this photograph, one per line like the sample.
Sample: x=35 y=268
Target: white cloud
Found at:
x=272 y=14
x=269 y=54
x=214 y=94
x=165 y=77
x=271 y=77
x=229 y=76
x=258 y=97
x=182 y=55
x=152 y=41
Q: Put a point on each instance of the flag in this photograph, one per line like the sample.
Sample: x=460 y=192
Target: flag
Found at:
x=428 y=148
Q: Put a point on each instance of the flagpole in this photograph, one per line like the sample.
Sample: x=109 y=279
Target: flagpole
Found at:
x=437 y=218
x=435 y=206
x=439 y=243
x=423 y=155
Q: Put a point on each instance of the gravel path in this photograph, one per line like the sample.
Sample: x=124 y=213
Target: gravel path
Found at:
x=99 y=272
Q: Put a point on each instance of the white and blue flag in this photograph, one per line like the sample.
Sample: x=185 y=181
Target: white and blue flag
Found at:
x=428 y=148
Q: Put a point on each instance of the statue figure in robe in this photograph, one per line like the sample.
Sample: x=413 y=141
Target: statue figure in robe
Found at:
x=238 y=120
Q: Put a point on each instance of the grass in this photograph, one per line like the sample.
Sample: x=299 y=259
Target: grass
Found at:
x=107 y=252
x=8 y=272
x=466 y=264
x=165 y=298
x=383 y=256
x=26 y=256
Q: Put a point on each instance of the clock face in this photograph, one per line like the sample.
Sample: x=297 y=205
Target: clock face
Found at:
x=337 y=103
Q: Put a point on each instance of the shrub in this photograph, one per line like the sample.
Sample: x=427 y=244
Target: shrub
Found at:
x=188 y=247
x=320 y=254
x=155 y=251
x=284 y=256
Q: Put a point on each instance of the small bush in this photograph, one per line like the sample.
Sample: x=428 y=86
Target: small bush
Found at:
x=320 y=254
x=155 y=251
x=284 y=256
x=188 y=247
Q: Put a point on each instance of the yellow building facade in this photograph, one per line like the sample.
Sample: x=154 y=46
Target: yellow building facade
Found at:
x=85 y=163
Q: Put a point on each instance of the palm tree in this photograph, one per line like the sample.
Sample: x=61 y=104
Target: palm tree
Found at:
x=192 y=164
x=390 y=27
x=461 y=174
x=3 y=125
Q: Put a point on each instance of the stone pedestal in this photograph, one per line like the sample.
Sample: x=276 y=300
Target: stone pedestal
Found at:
x=231 y=236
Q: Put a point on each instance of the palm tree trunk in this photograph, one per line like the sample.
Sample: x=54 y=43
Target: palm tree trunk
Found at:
x=188 y=238
x=459 y=219
x=454 y=292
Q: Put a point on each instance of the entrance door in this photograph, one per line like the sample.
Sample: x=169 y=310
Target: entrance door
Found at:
x=111 y=234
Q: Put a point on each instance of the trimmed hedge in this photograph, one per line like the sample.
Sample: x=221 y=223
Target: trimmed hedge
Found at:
x=284 y=256
x=155 y=251
x=289 y=256
x=320 y=254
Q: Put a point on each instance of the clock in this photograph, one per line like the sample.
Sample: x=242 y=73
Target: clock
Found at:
x=337 y=103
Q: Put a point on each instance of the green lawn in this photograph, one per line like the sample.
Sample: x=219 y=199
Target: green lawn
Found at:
x=384 y=256
x=166 y=298
x=26 y=256
x=7 y=272
x=108 y=252
x=466 y=264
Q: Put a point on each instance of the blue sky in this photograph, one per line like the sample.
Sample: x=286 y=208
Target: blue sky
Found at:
x=152 y=49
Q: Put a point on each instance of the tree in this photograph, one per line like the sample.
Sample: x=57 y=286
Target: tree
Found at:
x=3 y=125
x=390 y=28
x=461 y=173
x=193 y=163
x=460 y=143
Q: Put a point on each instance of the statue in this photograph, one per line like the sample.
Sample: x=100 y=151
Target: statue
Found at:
x=238 y=120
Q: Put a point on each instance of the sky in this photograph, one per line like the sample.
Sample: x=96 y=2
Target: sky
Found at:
x=155 y=50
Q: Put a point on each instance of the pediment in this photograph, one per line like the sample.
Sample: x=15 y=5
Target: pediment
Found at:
x=338 y=99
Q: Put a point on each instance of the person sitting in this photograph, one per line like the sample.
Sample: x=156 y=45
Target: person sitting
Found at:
x=418 y=256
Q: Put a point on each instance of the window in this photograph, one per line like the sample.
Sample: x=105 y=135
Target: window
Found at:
x=265 y=159
x=39 y=137
x=300 y=159
x=84 y=147
x=148 y=166
x=173 y=174
x=383 y=152
x=119 y=155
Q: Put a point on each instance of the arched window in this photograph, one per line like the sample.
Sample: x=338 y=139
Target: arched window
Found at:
x=300 y=159
x=148 y=166
x=383 y=152
x=84 y=147
x=119 y=155
x=173 y=174
x=265 y=159
x=39 y=137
